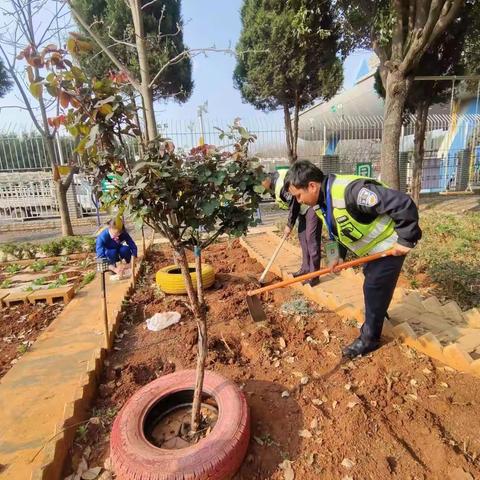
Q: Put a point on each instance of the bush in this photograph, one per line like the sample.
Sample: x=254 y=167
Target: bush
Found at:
x=52 y=249
x=89 y=244
x=72 y=244
x=13 y=268
x=38 y=266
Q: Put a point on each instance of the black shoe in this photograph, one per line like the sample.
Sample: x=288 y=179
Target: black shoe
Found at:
x=298 y=273
x=360 y=347
x=313 y=282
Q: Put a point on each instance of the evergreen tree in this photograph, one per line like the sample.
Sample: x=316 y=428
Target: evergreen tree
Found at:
x=287 y=58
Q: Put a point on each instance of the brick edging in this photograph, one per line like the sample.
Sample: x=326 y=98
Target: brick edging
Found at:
x=55 y=452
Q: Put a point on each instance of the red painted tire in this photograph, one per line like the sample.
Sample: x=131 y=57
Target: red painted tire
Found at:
x=216 y=457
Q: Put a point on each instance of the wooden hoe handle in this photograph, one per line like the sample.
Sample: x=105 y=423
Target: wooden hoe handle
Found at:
x=318 y=273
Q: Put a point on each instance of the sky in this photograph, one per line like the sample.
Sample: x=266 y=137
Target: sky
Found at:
x=207 y=23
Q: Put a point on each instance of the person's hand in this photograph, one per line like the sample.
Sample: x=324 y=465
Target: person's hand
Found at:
x=335 y=264
x=287 y=231
x=399 y=250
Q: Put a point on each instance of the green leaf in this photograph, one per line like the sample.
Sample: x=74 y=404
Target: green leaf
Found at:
x=36 y=89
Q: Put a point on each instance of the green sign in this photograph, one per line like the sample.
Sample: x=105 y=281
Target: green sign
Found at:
x=364 y=169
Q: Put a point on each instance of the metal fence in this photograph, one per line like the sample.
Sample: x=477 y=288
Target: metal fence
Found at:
x=452 y=155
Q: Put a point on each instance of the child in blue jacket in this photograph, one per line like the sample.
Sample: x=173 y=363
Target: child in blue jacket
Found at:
x=115 y=244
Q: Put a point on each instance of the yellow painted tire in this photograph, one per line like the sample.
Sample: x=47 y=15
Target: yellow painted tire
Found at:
x=170 y=279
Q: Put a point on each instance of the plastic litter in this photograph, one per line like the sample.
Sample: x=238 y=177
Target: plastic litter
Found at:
x=162 y=320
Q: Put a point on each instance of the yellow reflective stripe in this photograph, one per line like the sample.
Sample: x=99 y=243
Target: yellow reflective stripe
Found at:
x=339 y=203
x=380 y=226
x=384 y=244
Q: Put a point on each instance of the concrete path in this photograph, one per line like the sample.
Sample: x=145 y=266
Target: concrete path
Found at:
x=49 y=388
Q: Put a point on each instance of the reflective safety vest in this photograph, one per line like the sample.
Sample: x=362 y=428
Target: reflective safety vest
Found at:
x=278 y=187
x=360 y=238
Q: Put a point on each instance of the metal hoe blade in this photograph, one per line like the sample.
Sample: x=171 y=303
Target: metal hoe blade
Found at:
x=255 y=308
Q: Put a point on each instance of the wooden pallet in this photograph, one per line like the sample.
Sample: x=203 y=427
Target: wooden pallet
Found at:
x=50 y=295
x=15 y=297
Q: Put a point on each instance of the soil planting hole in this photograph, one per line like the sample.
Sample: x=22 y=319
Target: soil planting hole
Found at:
x=178 y=270
x=167 y=424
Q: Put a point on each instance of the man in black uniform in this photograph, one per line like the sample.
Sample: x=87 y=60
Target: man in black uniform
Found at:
x=309 y=225
x=365 y=217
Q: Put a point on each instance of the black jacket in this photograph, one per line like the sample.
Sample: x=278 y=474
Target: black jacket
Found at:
x=367 y=199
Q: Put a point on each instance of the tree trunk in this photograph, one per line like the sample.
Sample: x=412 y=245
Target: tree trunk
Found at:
x=61 y=192
x=396 y=95
x=146 y=90
x=201 y=319
x=421 y=115
x=288 y=133
x=296 y=114
x=198 y=272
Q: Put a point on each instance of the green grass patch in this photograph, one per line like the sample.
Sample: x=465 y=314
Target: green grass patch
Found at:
x=87 y=278
x=448 y=257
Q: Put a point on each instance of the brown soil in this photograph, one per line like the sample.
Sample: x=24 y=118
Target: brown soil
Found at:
x=20 y=325
x=393 y=414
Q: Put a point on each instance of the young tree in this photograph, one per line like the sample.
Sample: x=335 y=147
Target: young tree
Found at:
x=190 y=199
x=23 y=38
x=5 y=82
x=444 y=57
x=400 y=32
x=289 y=58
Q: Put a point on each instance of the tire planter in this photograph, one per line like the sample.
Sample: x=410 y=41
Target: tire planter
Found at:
x=170 y=279
x=215 y=457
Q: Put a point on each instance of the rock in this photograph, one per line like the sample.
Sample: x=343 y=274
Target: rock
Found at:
x=250 y=458
x=347 y=463
x=282 y=342
x=317 y=402
x=288 y=473
x=304 y=380
x=107 y=465
x=314 y=424
x=305 y=434
x=106 y=475
x=285 y=394
x=91 y=474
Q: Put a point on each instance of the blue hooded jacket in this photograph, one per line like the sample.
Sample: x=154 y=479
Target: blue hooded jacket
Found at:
x=106 y=242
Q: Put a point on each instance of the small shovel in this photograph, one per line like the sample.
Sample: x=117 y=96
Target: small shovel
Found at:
x=255 y=305
x=274 y=256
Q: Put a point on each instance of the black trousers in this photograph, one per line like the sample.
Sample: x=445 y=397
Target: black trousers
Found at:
x=380 y=280
x=309 y=235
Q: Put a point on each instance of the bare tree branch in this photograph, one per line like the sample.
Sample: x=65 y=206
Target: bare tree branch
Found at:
x=54 y=19
x=150 y=3
x=189 y=53
x=121 y=42
x=101 y=44
x=15 y=78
